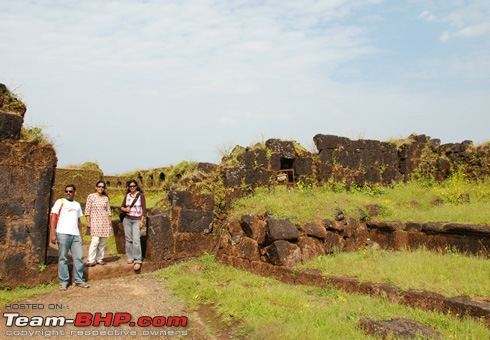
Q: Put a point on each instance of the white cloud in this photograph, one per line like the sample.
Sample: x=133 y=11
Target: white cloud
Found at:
x=463 y=20
x=192 y=74
x=474 y=31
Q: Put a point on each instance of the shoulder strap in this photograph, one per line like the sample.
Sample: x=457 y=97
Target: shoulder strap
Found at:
x=61 y=206
x=135 y=199
x=59 y=211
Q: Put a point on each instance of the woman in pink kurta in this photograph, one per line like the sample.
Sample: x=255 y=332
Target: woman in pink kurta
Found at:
x=99 y=220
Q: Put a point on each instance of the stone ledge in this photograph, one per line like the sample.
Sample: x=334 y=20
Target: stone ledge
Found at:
x=462 y=306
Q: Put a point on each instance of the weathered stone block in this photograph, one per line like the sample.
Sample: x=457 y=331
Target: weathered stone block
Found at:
x=254 y=228
x=333 y=242
x=310 y=277
x=119 y=236
x=312 y=229
x=3 y=231
x=284 y=148
x=257 y=177
x=234 y=228
x=398 y=328
x=281 y=229
x=12 y=208
x=19 y=233
x=261 y=160
x=323 y=142
x=326 y=156
x=303 y=166
x=247 y=160
x=194 y=221
x=160 y=240
x=233 y=177
x=188 y=245
x=190 y=200
x=310 y=247
x=248 y=249
x=10 y=125
x=283 y=253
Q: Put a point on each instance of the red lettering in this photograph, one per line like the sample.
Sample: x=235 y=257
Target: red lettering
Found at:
x=83 y=319
x=159 y=321
x=144 y=321
x=106 y=320
x=120 y=318
x=177 y=321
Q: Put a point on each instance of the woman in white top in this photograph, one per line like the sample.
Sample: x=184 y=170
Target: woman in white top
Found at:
x=99 y=220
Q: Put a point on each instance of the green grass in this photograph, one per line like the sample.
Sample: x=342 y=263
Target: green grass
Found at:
x=455 y=200
x=20 y=293
x=450 y=274
x=264 y=308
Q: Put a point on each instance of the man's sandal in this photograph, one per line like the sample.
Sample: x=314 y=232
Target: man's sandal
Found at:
x=82 y=285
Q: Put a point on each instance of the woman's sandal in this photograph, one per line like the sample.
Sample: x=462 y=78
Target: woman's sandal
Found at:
x=137 y=266
x=130 y=261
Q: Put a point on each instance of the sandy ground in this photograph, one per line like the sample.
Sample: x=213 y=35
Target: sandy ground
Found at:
x=114 y=288
x=137 y=295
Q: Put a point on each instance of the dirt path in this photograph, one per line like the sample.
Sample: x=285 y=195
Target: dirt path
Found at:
x=139 y=295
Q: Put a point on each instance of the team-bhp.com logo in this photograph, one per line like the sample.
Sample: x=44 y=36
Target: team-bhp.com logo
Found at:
x=83 y=319
x=94 y=319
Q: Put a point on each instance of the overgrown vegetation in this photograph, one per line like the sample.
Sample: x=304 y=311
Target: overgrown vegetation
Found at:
x=11 y=102
x=449 y=274
x=263 y=308
x=34 y=135
x=454 y=200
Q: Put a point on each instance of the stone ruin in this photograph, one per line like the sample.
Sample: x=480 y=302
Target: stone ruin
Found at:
x=356 y=162
x=27 y=174
x=196 y=221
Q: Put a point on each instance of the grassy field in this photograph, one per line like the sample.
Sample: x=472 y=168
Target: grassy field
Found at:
x=264 y=308
x=450 y=274
x=455 y=200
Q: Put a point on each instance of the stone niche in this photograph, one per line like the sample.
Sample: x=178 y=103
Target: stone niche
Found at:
x=27 y=173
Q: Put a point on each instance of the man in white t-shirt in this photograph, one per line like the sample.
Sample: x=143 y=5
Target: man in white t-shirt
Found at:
x=65 y=229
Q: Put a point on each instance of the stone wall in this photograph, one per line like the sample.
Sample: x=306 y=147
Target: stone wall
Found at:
x=84 y=179
x=354 y=162
x=279 y=242
x=182 y=232
x=26 y=173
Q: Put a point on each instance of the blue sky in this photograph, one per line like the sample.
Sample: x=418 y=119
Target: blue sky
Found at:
x=142 y=84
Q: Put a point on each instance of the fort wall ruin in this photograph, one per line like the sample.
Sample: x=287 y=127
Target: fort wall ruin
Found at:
x=26 y=173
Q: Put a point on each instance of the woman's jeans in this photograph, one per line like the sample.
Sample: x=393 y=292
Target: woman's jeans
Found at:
x=96 y=249
x=71 y=243
x=133 y=239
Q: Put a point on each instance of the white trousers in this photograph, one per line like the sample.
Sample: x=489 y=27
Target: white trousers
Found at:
x=96 y=249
